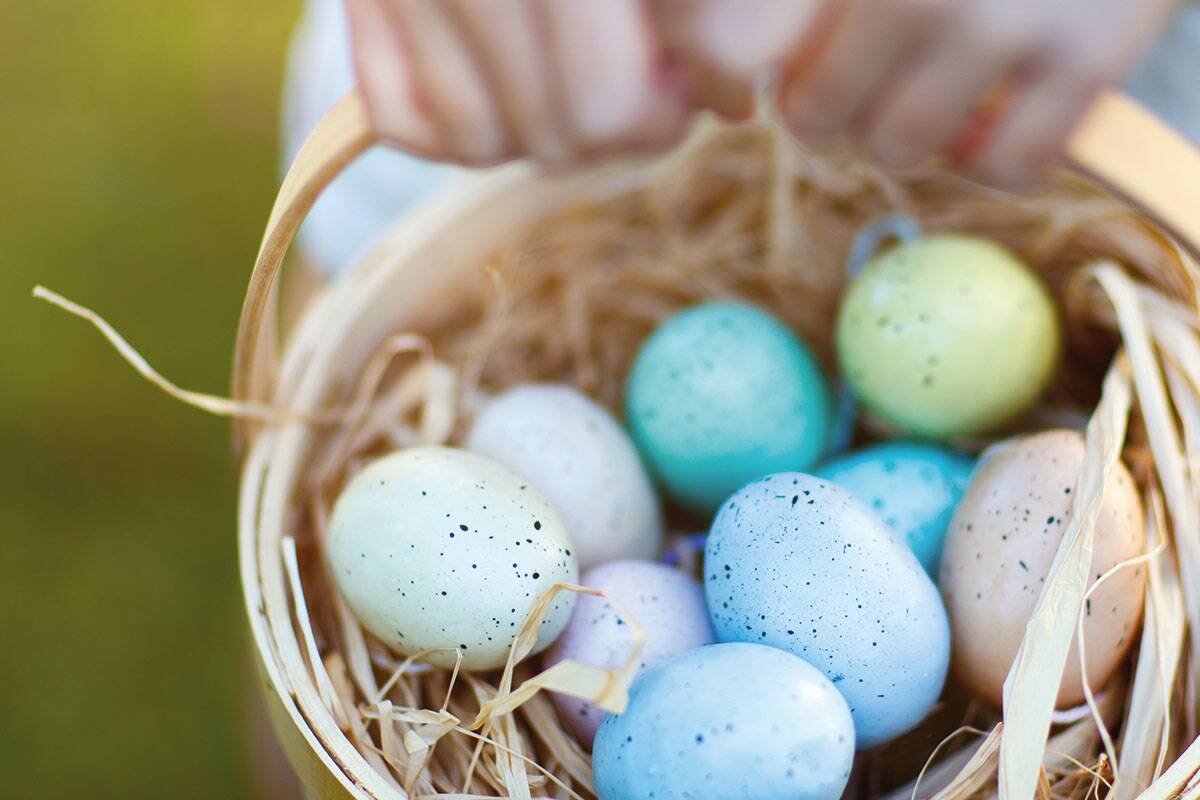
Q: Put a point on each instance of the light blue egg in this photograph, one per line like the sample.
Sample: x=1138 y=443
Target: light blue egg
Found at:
x=914 y=487
x=723 y=722
x=721 y=394
x=796 y=562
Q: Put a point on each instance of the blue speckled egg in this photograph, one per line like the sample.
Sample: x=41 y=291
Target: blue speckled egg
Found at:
x=727 y=721
x=721 y=394
x=796 y=562
x=914 y=487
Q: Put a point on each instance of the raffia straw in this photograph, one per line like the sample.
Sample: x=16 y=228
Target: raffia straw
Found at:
x=1090 y=697
x=1182 y=502
x=324 y=685
x=1032 y=685
x=213 y=404
x=1146 y=734
x=607 y=689
x=977 y=772
x=938 y=777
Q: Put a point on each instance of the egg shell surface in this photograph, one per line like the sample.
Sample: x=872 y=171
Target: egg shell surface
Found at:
x=574 y=453
x=727 y=722
x=1001 y=543
x=913 y=486
x=438 y=547
x=721 y=394
x=947 y=335
x=796 y=562
x=666 y=602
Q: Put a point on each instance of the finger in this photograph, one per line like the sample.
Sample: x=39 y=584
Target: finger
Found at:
x=727 y=46
x=386 y=80
x=1031 y=137
x=864 y=44
x=615 y=92
x=926 y=109
x=512 y=52
x=1073 y=65
x=450 y=83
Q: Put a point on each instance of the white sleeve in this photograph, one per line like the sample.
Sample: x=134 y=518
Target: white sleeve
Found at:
x=381 y=184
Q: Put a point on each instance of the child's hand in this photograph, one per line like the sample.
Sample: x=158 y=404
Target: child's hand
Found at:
x=905 y=77
x=482 y=81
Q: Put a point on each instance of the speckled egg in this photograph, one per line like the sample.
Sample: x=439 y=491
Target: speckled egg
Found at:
x=721 y=394
x=574 y=452
x=947 y=335
x=666 y=602
x=727 y=721
x=914 y=487
x=1001 y=543
x=435 y=547
x=796 y=562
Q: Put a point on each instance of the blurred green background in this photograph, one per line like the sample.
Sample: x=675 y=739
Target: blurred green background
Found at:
x=138 y=151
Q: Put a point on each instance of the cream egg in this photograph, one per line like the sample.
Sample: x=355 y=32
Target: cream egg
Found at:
x=574 y=452
x=437 y=547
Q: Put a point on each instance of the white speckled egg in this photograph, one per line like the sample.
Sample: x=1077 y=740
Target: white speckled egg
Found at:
x=727 y=721
x=574 y=452
x=438 y=547
x=999 y=549
x=798 y=563
x=667 y=603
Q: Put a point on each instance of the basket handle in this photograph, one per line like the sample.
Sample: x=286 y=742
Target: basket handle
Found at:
x=341 y=136
x=1120 y=145
x=1133 y=154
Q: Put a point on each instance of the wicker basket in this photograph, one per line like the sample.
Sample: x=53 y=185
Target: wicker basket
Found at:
x=419 y=278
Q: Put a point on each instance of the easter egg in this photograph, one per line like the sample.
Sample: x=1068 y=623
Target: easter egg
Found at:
x=721 y=394
x=1001 y=543
x=914 y=487
x=947 y=335
x=727 y=721
x=667 y=603
x=796 y=562
x=574 y=453
x=435 y=547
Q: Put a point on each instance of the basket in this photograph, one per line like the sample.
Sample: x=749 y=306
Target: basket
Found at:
x=1133 y=194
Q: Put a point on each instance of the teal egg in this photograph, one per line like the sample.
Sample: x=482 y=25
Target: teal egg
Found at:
x=914 y=487
x=721 y=394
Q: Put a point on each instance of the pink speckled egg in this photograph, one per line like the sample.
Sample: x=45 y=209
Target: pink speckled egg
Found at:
x=668 y=603
x=1000 y=547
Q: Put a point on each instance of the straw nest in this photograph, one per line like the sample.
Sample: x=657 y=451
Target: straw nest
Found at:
x=402 y=351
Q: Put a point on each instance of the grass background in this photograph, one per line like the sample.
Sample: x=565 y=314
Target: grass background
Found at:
x=138 y=158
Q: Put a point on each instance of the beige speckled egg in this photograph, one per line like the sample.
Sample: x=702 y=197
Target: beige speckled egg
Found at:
x=435 y=547
x=999 y=549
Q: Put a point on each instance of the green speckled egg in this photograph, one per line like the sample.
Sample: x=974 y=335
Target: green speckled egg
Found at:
x=947 y=335
x=721 y=394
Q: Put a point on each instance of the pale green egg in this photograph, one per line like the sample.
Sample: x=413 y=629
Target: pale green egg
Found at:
x=947 y=335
